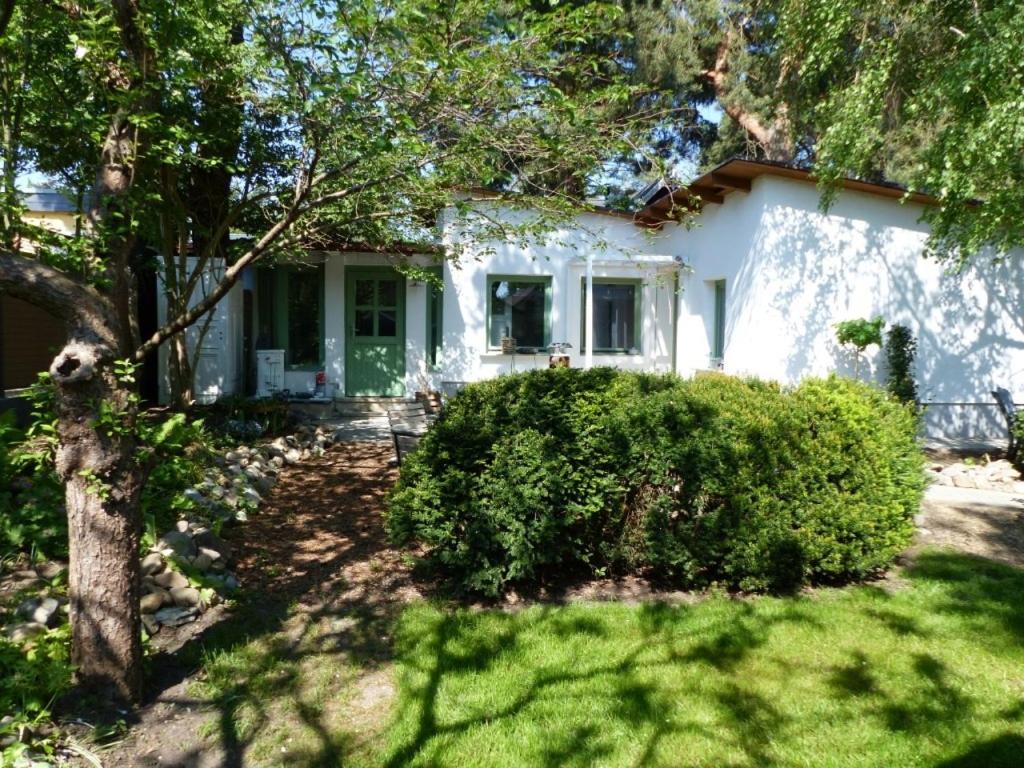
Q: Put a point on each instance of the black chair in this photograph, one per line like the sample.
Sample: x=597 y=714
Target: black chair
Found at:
x=1009 y=410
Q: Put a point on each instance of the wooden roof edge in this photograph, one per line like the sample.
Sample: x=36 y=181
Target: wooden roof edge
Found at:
x=737 y=174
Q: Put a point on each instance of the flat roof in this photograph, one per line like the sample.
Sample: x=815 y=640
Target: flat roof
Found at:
x=737 y=175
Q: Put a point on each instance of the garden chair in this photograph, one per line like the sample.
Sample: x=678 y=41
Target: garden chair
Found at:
x=1009 y=410
x=408 y=422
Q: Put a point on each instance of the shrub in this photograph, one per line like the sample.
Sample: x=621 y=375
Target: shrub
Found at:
x=901 y=349
x=35 y=674
x=711 y=480
x=859 y=334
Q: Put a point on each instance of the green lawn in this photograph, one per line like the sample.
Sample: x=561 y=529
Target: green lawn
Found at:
x=929 y=674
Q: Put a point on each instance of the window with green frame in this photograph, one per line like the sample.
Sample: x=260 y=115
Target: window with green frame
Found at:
x=290 y=302
x=617 y=320
x=435 y=317
x=519 y=306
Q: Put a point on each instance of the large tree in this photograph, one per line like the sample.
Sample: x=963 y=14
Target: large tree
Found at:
x=289 y=121
x=926 y=93
x=724 y=55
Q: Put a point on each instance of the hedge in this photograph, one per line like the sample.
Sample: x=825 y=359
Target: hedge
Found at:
x=710 y=480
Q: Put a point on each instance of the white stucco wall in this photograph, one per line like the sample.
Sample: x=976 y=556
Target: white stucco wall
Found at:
x=792 y=272
x=619 y=249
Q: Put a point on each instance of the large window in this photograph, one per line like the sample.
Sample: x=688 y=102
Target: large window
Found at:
x=519 y=308
x=616 y=316
x=290 y=301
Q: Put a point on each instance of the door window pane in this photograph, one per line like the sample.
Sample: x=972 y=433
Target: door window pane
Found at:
x=364 y=293
x=304 y=317
x=363 y=322
x=614 y=316
x=388 y=295
x=518 y=310
x=387 y=323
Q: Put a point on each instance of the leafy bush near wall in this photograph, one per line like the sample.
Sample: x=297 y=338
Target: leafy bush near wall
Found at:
x=711 y=480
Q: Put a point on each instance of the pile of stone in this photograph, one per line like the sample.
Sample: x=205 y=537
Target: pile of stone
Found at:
x=36 y=615
x=244 y=475
x=171 y=598
x=188 y=569
x=989 y=475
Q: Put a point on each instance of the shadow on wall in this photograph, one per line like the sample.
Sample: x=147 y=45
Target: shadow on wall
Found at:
x=809 y=272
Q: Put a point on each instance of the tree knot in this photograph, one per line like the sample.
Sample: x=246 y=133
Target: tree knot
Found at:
x=76 y=362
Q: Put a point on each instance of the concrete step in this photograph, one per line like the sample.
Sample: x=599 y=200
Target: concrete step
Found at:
x=366 y=406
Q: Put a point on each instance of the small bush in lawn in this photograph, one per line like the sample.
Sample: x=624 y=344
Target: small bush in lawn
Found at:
x=711 y=480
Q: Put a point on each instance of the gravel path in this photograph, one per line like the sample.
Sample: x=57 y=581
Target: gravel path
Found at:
x=985 y=523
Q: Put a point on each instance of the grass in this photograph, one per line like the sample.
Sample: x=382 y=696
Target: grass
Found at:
x=931 y=674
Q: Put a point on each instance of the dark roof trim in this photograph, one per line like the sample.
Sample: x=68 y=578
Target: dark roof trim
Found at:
x=737 y=175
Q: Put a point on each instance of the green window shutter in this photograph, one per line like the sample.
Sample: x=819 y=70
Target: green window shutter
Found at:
x=435 y=318
x=718 y=335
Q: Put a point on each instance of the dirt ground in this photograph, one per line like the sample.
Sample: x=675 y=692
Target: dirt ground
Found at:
x=317 y=555
x=984 y=523
x=317 y=546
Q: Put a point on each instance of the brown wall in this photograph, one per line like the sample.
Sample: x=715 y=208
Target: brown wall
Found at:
x=29 y=340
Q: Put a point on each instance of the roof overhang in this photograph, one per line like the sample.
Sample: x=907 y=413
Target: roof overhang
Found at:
x=738 y=176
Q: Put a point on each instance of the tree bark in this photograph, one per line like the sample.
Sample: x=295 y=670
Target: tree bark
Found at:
x=103 y=481
x=774 y=138
x=180 y=373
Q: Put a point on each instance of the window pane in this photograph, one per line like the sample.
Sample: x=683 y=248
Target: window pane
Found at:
x=387 y=323
x=304 y=316
x=718 y=335
x=364 y=322
x=517 y=310
x=364 y=293
x=388 y=293
x=614 y=316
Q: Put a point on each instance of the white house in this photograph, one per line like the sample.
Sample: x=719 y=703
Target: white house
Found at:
x=754 y=285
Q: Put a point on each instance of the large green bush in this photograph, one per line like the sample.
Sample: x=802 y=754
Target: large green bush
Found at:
x=711 y=480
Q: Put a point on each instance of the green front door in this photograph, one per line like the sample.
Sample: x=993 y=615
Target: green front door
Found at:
x=375 y=332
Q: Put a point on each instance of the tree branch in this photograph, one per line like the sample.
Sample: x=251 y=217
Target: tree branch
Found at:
x=58 y=293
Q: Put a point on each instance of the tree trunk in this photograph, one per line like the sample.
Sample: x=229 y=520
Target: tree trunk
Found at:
x=98 y=462
x=180 y=374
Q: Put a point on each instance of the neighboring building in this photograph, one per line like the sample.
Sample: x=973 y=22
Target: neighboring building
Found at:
x=29 y=336
x=754 y=287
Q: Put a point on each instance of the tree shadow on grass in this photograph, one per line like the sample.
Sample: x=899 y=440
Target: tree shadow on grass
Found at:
x=338 y=605
x=931 y=700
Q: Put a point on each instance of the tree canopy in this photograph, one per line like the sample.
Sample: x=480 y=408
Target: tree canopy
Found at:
x=928 y=94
